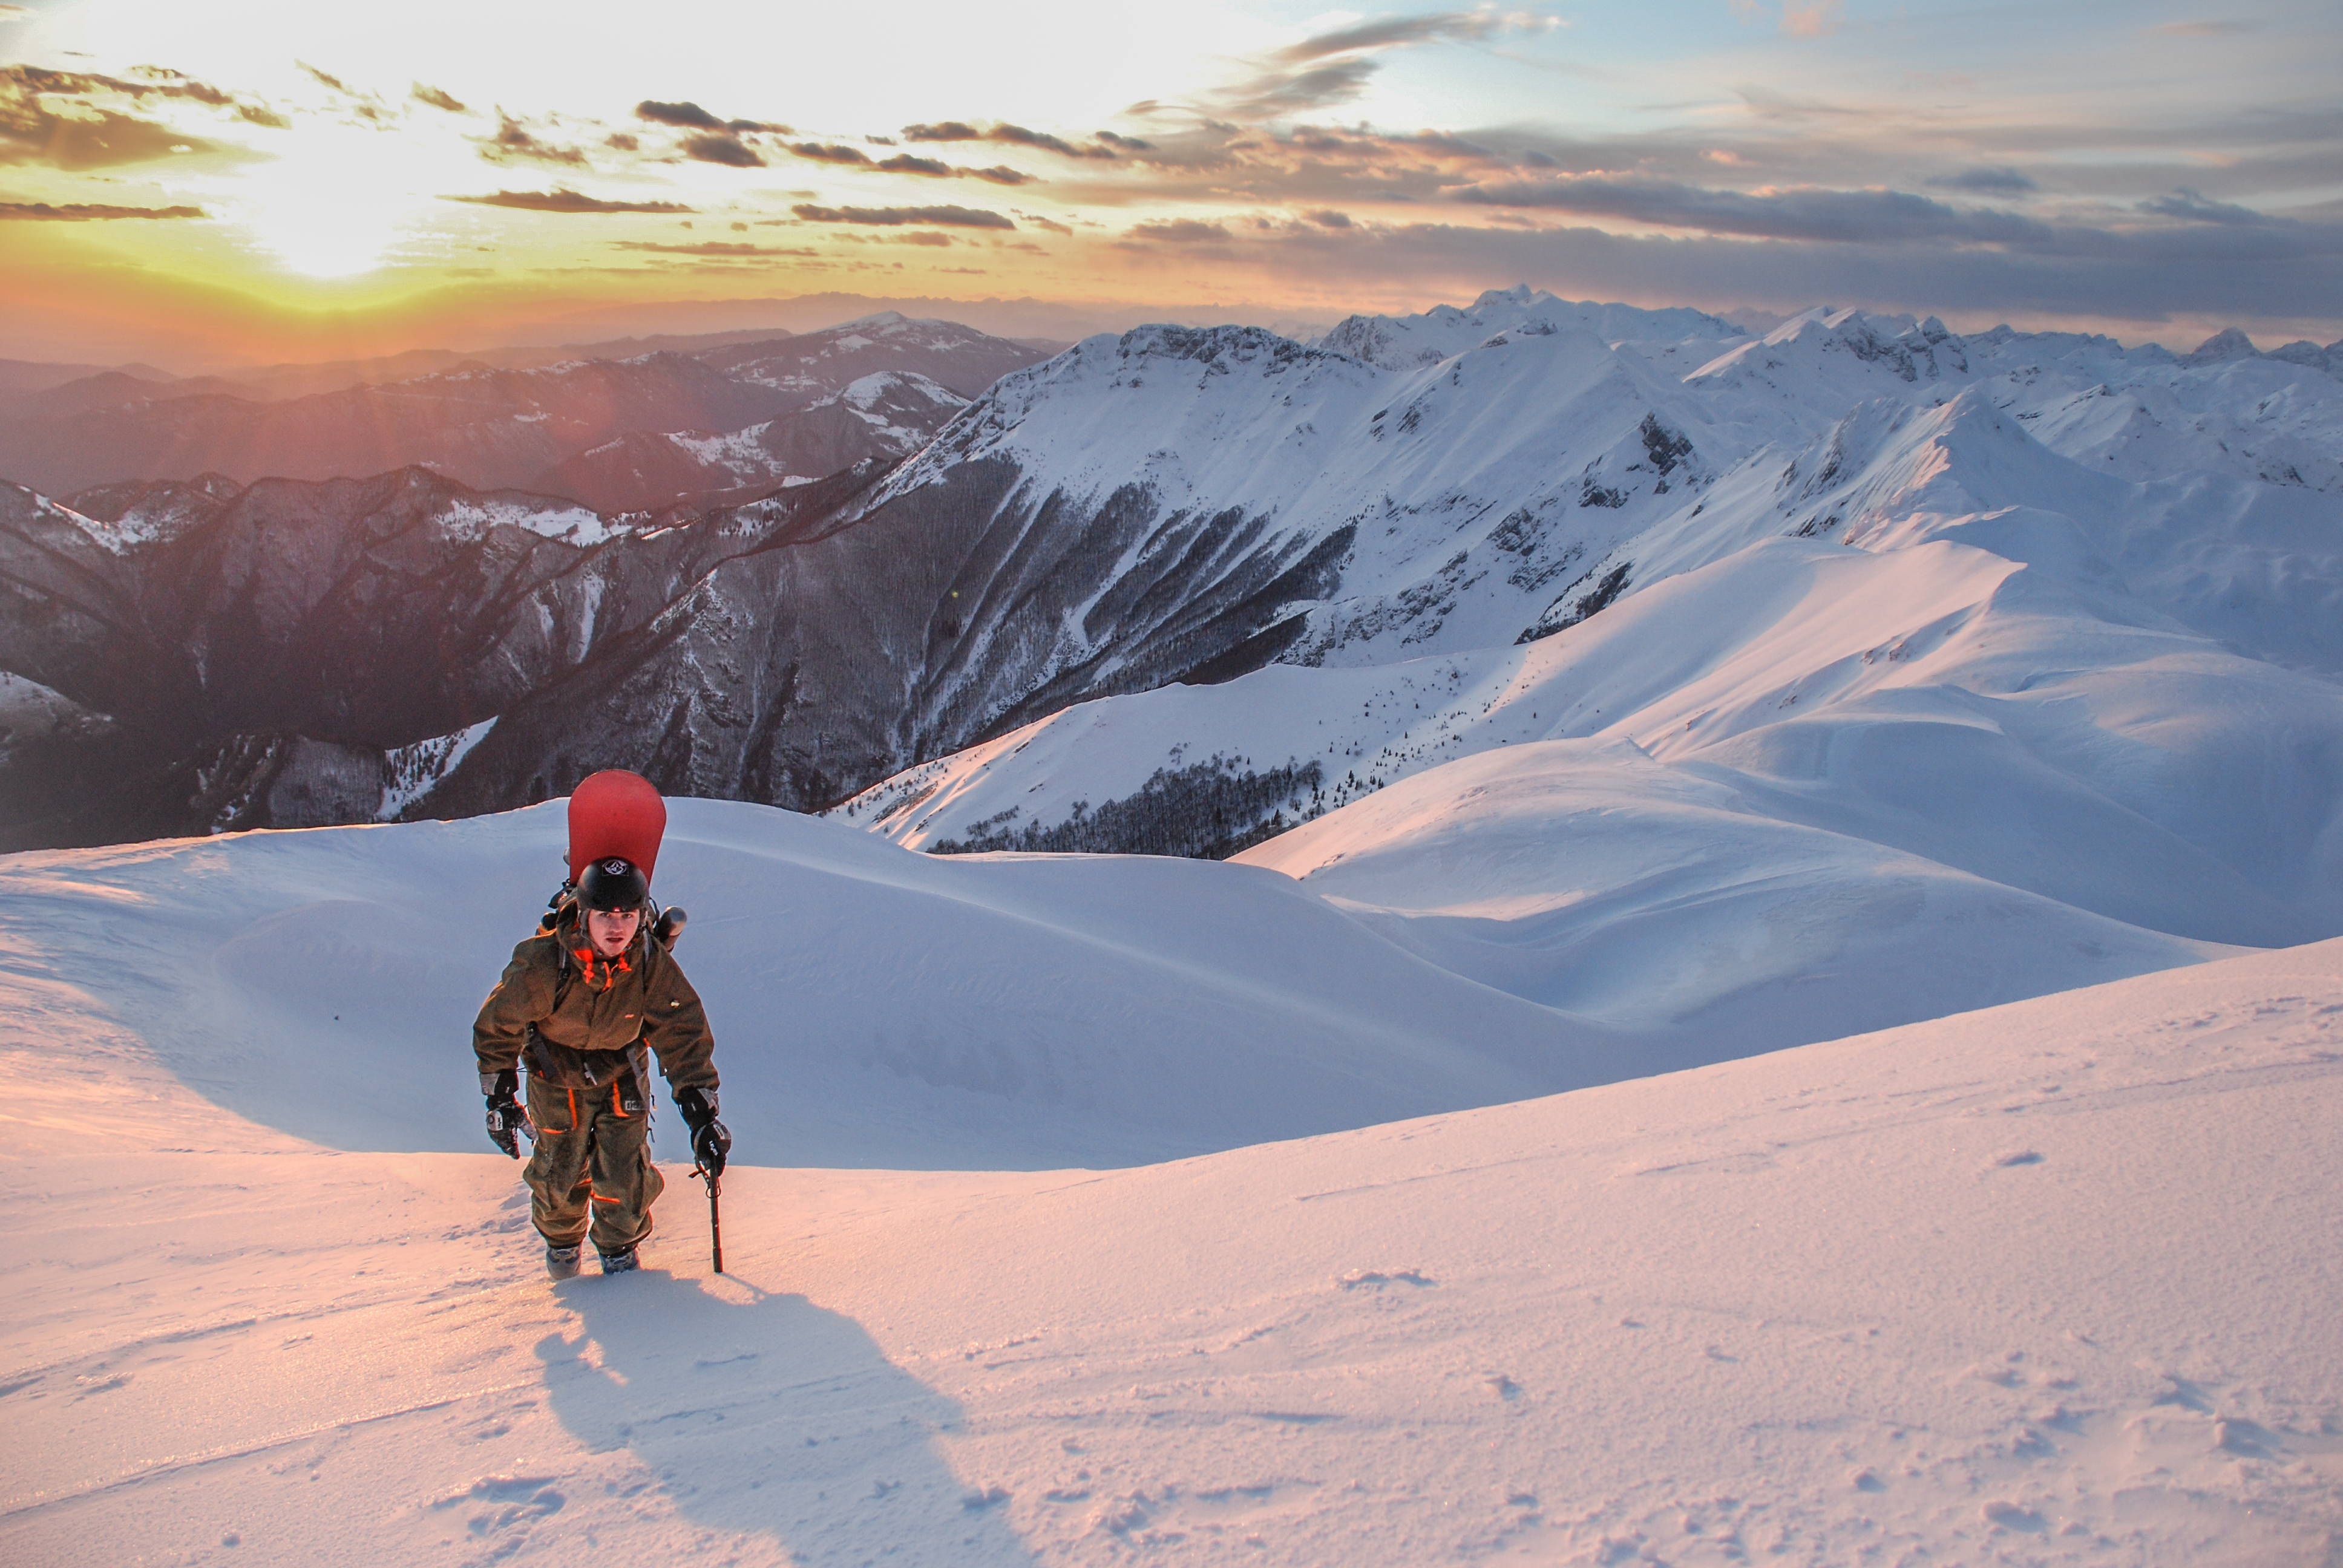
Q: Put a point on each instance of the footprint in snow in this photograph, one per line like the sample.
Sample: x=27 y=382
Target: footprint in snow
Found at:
x=1361 y=1279
x=2010 y=1516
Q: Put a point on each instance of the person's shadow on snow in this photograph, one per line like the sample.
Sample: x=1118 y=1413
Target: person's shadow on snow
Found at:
x=771 y=1417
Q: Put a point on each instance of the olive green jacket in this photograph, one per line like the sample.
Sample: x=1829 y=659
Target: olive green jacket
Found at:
x=579 y=1016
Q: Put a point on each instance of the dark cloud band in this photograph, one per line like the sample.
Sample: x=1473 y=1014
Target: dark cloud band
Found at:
x=728 y=150
x=690 y=116
x=897 y=216
x=1107 y=146
x=562 y=199
x=1178 y=231
x=1867 y=217
x=79 y=212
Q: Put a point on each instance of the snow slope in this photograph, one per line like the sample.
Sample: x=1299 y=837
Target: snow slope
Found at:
x=874 y=1006
x=2048 y=1284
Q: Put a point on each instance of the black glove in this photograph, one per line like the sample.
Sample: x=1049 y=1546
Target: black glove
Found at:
x=710 y=1140
x=506 y=1118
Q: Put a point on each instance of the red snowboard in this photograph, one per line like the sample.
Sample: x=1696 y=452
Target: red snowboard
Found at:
x=616 y=813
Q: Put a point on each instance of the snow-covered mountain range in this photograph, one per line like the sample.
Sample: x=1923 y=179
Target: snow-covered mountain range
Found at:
x=617 y=433
x=1907 y=647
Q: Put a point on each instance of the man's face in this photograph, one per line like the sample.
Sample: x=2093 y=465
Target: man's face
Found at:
x=612 y=929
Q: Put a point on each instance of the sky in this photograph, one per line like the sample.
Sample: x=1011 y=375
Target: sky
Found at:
x=255 y=180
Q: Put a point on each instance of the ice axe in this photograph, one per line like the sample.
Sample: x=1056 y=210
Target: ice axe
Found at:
x=710 y=1144
x=715 y=1214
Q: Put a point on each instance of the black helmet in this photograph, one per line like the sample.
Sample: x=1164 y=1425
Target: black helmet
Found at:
x=613 y=884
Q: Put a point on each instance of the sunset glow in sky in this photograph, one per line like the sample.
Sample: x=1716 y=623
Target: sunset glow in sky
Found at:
x=254 y=180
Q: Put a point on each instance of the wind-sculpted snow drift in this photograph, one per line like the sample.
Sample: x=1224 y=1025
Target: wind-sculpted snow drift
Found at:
x=873 y=1006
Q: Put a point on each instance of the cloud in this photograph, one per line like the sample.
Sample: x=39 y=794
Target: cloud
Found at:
x=514 y=140
x=830 y=153
x=2190 y=206
x=1987 y=182
x=1018 y=135
x=94 y=132
x=905 y=163
x=437 y=99
x=1125 y=144
x=1862 y=216
x=14 y=13
x=720 y=139
x=690 y=116
x=365 y=106
x=1053 y=225
x=1812 y=18
x=926 y=236
x=722 y=148
x=1334 y=67
x=562 y=199
x=1445 y=26
x=1280 y=95
x=705 y=247
x=77 y=212
x=1772 y=104
x=896 y=217
x=1107 y=148
x=686 y=115
x=2284 y=272
x=999 y=175
x=1329 y=219
x=1178 y=231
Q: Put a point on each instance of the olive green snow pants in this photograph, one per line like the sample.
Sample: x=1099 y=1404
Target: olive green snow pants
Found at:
x=590 y=1156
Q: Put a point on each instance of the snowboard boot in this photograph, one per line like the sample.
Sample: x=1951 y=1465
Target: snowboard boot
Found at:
x=620 y=1262
x=561 y=1263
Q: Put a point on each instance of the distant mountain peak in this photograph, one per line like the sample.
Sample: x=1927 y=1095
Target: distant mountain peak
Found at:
x=2229 y=343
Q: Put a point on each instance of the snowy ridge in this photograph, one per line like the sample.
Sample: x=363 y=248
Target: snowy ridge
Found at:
x=570 y=524
x=1410 y=342
x=2136 y=414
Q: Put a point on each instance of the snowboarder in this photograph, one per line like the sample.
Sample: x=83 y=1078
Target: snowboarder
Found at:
x=577 y=1005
